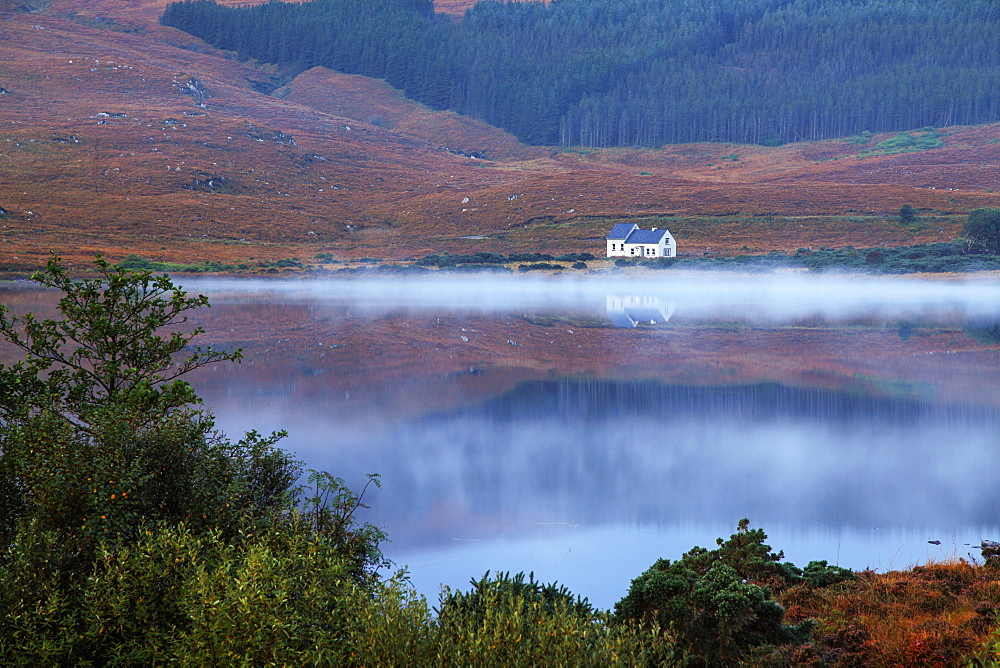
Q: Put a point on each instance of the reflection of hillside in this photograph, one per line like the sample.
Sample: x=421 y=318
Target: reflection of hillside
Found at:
x=593 y=452
x=634 y=310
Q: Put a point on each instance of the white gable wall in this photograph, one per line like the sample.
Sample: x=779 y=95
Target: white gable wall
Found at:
x=616 y=247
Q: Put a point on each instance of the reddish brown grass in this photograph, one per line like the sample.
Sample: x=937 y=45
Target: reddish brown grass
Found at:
x=933 y=615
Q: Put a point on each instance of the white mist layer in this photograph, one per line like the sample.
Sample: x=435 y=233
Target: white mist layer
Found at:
x=771 y=297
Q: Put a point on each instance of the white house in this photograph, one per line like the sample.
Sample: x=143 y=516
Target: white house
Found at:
x=627 y=240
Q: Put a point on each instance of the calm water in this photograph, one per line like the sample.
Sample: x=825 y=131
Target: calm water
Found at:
x=583 y=428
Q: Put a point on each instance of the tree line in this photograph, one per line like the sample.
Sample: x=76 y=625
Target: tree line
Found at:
x=645 y=72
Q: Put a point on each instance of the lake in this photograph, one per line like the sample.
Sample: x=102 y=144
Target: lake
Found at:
x=580 y=428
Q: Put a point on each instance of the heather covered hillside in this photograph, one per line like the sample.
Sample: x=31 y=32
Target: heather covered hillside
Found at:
x=125 y=136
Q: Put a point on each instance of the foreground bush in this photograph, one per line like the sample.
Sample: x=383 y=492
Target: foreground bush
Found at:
x=282 y=596
x=720 y=601
x=113 y=485
x=506 y=621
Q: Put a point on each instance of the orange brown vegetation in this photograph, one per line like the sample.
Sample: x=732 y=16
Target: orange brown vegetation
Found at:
x=933 y=615
x=372 y=174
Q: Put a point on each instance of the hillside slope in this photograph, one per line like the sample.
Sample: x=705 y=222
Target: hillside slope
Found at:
x=376 y=103
x=120 y=135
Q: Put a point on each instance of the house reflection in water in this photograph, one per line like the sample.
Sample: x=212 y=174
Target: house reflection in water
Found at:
x=634 y=310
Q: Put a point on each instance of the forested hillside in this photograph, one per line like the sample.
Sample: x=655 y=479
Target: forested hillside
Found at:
x=646 y=72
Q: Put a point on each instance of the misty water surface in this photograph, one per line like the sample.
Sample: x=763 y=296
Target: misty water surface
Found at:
x=581 y=428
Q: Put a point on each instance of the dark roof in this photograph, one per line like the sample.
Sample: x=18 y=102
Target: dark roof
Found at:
x=621 y=230
x=645 y=236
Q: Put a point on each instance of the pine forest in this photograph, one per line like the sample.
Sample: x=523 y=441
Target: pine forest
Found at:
x=601 y=73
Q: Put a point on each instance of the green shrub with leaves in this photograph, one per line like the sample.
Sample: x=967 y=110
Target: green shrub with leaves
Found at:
x=747 y=554
x=101 y=436
x=278 y=595
x=507 y=621
x=106 y=463
x=717 y=601
x=548 y=596
x=819 y=574
x=108 y=350
x=981 y=230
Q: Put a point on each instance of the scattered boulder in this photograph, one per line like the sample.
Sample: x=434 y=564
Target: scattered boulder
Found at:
x=991 y=552
x=263 y=134
x=213 y=183
x=310 y=158
x=198 y=90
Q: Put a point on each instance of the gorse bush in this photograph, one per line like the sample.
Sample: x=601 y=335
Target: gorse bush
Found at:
x=719 y=602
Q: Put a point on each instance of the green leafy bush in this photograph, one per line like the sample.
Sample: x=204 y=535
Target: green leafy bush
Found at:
x=133 y=261
x=113 y=487
x=861 y=138
x=981 y=229
x=540 y=266
x=275 y=595
x=507 y=621
x=548 y=596
x=905 y=142
x=820 y=574
x=717 y=601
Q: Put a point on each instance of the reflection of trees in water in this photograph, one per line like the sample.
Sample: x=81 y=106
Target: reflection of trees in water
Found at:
x=598 y=399
x=601 y=451
x=986 y=333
